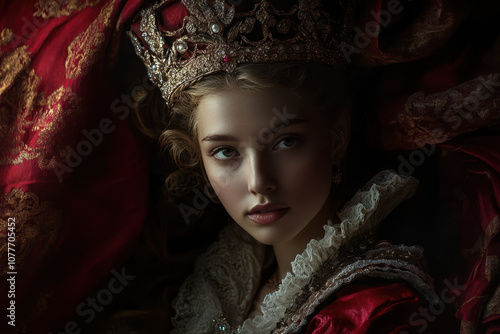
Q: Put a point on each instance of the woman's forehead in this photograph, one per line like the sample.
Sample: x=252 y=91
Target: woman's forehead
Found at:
x=237 y=98
x=236 y=104
x=233 y=112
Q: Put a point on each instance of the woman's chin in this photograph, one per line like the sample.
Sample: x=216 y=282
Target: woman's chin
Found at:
x=271 y=235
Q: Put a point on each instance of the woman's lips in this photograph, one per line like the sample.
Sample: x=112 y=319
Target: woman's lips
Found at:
x=268 y=217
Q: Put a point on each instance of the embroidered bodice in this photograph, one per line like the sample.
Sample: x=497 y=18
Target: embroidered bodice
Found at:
x=218 y=295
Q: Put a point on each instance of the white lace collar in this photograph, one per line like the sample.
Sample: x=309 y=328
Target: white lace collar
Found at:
x=227 y=275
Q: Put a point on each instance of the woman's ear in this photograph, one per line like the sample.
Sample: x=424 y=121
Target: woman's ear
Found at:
x=339 y=140
x=341 y=131
x=338 y=146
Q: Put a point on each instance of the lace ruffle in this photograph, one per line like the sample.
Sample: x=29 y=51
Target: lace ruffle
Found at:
x=224 y=281
x=226 y=277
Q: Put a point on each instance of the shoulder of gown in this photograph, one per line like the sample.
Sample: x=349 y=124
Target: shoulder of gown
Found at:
x=389 y=308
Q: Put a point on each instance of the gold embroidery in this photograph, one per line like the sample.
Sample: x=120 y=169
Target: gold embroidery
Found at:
x=493 y=305
x=468 y=327
x=404 y=261
x=481 y=244
x=37 y=226
x=17 y=96
x=57 y=8
x=492 y=267
x=82 y=52
x=58 y=118
x=11 y=65
x=491 y=230
x=5 y=36
x=29 y=122
x=437 y=117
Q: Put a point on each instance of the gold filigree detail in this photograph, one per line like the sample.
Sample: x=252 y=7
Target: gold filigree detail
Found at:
x=6 y=36
x=492 y=263
x=83 y=50
x=29 y=122
x=61 y=107
x=437 y=117
x=492 y=229
x=37 y=225
x=215 y=37
x=12 y=64
x=468 y=327
x=493 y=305
x=492 y=267
x=57 y=8
x=481 y=244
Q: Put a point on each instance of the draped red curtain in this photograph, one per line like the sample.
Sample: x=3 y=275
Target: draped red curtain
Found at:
x=73 y=176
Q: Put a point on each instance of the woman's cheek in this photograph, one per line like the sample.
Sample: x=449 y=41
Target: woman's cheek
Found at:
x=301 y=166
x=223 y=180
x=213 y=176
x=310 y=172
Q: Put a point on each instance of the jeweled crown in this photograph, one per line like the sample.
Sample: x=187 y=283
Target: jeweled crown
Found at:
x=213 y=36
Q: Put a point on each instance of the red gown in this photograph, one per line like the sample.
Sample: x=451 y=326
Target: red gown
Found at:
x=369 y=308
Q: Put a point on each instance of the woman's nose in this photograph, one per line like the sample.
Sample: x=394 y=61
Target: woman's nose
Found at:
x=261 y=177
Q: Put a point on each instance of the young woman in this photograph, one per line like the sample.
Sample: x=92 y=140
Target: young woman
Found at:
x=286 y=261
x=269 y=137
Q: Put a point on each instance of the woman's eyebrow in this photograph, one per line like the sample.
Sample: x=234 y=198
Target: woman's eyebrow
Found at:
x=229 y=138
x=219 y=138
x=289 y=122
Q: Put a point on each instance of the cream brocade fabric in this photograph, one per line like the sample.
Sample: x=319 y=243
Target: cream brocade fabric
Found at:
x=226 y=277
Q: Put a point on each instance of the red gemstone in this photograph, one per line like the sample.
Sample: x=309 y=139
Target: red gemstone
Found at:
x=226 y=59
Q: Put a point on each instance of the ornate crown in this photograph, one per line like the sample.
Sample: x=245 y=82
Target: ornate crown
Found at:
x=208 y=36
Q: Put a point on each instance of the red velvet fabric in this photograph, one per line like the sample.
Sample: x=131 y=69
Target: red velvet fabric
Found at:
x=373 y=309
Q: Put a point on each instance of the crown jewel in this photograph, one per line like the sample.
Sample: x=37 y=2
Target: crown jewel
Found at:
x=214 y=37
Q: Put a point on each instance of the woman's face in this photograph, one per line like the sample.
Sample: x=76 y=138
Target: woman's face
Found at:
x=260 y=148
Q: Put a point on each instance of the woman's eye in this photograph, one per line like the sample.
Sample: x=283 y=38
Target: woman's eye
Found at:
x=287 y=142
x=224 y=153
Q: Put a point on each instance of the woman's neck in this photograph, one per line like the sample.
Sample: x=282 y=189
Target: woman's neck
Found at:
x=286 y=252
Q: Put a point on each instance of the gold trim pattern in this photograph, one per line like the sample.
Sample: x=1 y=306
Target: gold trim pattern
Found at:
x=468 y=327
x=83 y=50
x=492 y=267
x=491 y=230
x=29 y=122
x=493 y=306
x=11 y=66
x=37 y=226
x=57 y=8
x=433 y=118
x=6 y=36
x=492 y=263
